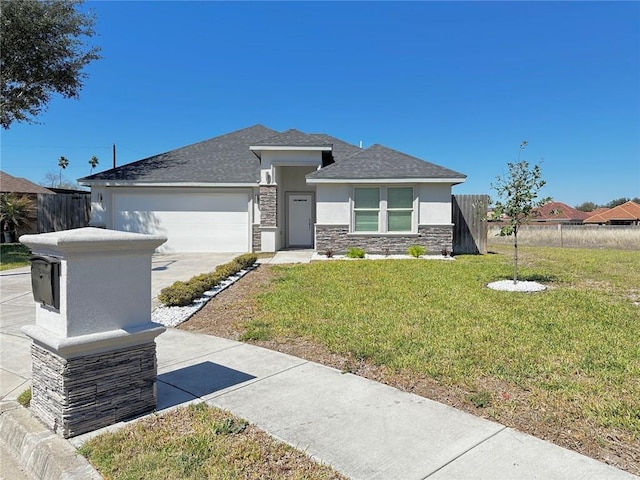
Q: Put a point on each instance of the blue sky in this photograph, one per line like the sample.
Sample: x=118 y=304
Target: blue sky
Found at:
x=455 y=83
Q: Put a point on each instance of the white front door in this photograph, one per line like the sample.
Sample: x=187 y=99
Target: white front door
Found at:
x=299 y=221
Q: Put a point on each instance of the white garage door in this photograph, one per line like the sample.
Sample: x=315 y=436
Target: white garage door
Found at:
x=192 y=222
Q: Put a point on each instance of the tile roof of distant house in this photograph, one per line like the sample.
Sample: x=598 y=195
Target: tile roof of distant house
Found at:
x=379 y=162
x=629 y=211
x=559 y=212
x=598 y=210
x=11 y=184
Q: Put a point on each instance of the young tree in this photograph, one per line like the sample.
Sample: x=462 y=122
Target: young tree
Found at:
x=94 y=163
x=62 y=163
x=43 y=52
x=517 y=198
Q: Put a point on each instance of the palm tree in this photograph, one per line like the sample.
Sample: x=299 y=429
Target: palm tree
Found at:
x=63 y=163
x=16 y=211
x=94 y=163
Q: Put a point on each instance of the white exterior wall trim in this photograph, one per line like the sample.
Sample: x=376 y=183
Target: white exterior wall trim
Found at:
x=107 y=183
x=452 y=181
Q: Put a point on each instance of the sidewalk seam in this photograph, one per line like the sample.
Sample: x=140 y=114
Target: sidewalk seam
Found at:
x=208 y=354
x=465 y=452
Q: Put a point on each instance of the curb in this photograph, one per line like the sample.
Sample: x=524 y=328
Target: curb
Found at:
x=43 y=454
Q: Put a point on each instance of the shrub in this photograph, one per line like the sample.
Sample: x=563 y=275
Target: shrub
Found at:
x=416 y=251
x=24 y=398
x=355 y=252
x=179 y=294
x=227 y=269
x=246 y=260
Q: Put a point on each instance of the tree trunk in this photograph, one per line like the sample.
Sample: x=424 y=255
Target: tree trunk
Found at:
x=515 y=256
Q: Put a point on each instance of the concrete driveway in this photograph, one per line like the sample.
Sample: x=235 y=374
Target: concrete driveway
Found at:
x=17 y=309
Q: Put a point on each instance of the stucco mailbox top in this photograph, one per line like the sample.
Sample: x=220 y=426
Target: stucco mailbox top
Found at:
x=105 y=283
x=91 y=239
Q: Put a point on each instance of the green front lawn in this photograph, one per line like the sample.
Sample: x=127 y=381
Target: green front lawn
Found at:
x=573 y=347
x=13 y=255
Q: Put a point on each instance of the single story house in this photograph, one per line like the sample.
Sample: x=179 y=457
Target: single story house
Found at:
x=558 y=212
x=258 y=189
x=626 y=214
x=23 y=187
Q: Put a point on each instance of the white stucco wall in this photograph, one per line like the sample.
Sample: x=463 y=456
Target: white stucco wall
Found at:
x=332 y=204
x=435 y=204
x=100 y=205
x=272 y=159
x=292 y=179
x=105 y=280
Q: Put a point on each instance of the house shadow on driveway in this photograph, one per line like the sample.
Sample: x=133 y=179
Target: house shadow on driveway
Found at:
x=199 y=380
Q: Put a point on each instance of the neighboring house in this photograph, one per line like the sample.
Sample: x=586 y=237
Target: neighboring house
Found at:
x=257 y=189
x=22 y=186
x=625 y=214
x=558 y=212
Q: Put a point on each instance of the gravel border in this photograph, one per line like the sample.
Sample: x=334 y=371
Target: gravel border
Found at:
x=174 y=316
x=320 y=256
x=511 y=286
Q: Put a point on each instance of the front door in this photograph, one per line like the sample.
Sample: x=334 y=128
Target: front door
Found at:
x=299 y=221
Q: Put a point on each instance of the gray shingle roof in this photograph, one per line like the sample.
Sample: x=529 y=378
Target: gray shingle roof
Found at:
x=223 y=159
x=227 y=159
x=341 y=149
x=292 y=138
x=378 y=161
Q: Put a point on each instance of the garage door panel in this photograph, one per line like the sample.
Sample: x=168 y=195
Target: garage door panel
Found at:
x=192 y=222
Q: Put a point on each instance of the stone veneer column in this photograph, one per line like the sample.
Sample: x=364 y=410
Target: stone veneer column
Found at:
x=94 y=357
x=268 y=206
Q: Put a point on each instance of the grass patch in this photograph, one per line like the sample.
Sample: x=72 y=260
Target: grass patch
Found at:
x=14 y=255
x=24 y=398
x=197 y=442
x=574 y=347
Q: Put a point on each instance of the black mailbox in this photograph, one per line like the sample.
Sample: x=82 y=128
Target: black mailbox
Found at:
x=45 y=280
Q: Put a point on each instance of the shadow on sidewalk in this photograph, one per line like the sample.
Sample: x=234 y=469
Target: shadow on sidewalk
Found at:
x=199 y=380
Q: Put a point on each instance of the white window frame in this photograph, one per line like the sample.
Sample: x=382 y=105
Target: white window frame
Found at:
x=383 y=210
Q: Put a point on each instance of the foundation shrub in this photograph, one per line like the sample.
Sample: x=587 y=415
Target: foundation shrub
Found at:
x=355 y=252
x=180 y=294
x=246 y=260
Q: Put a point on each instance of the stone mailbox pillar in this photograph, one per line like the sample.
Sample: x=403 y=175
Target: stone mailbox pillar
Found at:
x=94 y=357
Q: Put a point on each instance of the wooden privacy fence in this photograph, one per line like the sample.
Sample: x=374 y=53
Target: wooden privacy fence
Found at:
x=63 y=211
x=469 y=216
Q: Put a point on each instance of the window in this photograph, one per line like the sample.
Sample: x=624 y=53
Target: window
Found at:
x=383 y=209
x=366 y=208
x=399 y=209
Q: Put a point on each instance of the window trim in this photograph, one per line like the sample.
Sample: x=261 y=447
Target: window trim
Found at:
x=383 y=210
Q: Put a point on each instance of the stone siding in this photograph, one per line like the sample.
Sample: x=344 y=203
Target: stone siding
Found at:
x=338 y=239
x=269 y=206
x=257 y=237
x=79 y=395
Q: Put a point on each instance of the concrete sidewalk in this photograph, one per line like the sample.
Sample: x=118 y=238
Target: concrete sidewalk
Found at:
x=364 y=429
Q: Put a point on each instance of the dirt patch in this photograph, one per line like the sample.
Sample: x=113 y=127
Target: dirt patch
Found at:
x=526 y=411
